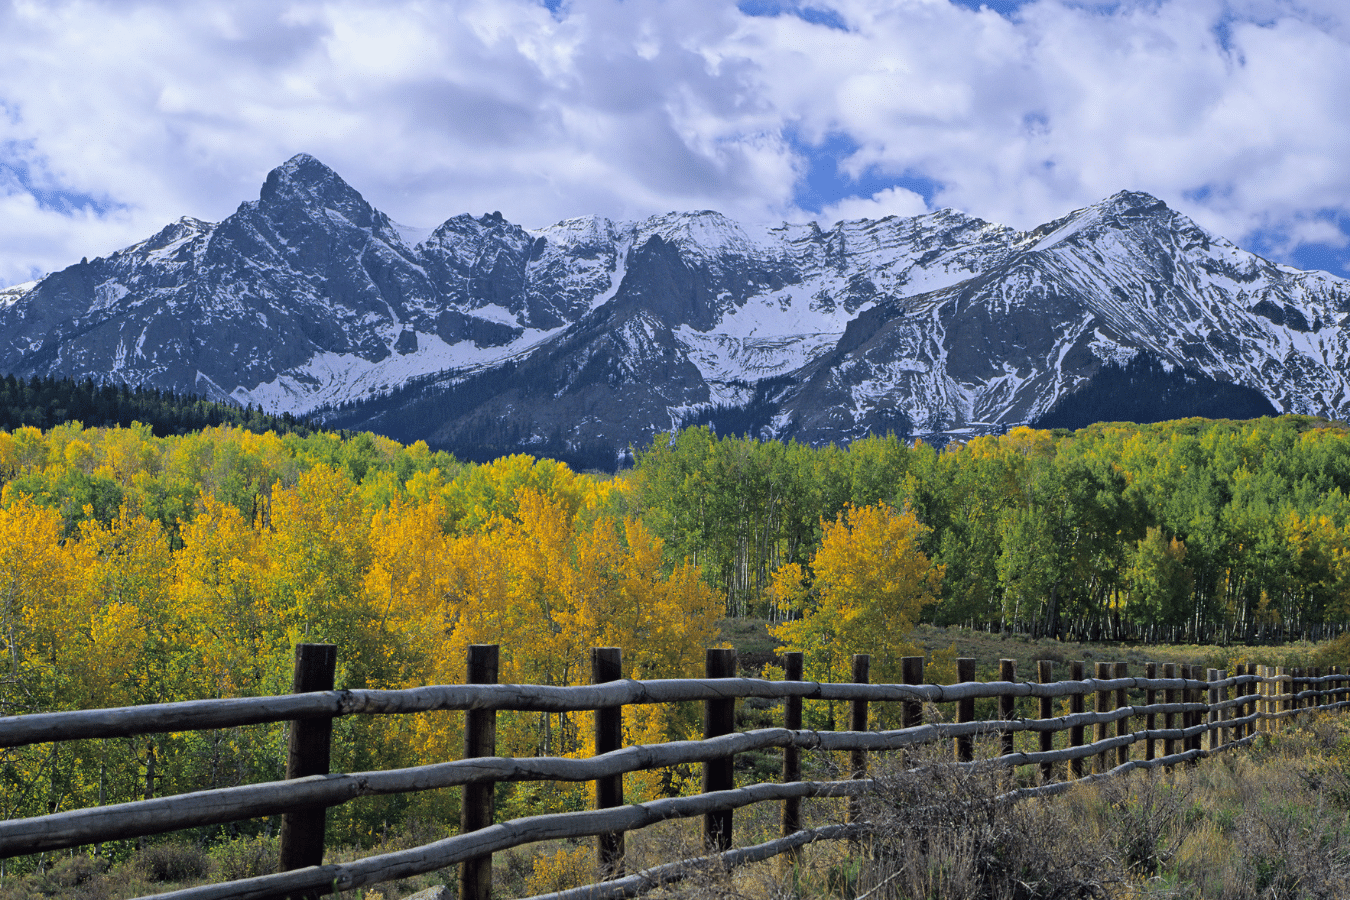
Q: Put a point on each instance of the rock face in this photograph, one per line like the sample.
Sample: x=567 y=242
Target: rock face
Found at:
x=591 y=335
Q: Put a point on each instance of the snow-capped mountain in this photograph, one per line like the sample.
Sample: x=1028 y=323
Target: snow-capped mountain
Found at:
x=594 y=333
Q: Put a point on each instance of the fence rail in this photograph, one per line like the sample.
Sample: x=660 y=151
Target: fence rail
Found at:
x=1201 y=712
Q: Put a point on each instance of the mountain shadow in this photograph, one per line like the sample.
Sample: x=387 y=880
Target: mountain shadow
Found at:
x=1144 y=391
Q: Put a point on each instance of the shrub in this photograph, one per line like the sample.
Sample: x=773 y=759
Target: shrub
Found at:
x=247 y=857
x=173 y=863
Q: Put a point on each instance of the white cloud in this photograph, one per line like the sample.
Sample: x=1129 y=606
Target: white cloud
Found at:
x=137 y=113
x=894 y=201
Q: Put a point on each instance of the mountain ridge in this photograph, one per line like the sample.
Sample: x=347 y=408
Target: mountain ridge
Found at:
x=597 y=333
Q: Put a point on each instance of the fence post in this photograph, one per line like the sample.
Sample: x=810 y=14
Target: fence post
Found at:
x=1316 y=700
x=1150 y=717
x=1075 y=708
x=1257 y=691
x=911 y=672
x=1214 y=735
x=1007 y=671
x=857 y=721
x=1272 y=698
x=1259 y=698
x=302 y=831
x=719 y=717
x=1169 y=715
x=1101 y=759
x=1193 y=695
x=964 y=744
x=607 y=665
x=1122 y=670
x=480 y=739
x=1045 y=674
x=1286 y=690
x=1238 y=732
x=1187 y=717
x=1253 y=706
x=792 y=756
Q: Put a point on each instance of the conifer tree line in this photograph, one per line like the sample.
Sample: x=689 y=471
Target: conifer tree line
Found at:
x=46 y=402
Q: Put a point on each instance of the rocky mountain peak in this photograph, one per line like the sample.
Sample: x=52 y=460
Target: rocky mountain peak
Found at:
x=304 y=181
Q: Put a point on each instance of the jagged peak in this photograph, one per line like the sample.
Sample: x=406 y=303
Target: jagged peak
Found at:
x=1131 y=202
x=304 y=179
x=305 y=166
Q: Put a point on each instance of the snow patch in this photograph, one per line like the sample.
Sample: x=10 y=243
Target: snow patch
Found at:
x=14 y=293
x=411 y=235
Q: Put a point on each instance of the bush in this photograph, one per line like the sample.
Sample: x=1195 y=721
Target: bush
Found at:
x=247 y=857
x=173 y=863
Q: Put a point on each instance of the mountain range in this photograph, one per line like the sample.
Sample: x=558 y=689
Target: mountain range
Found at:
x=589 y=336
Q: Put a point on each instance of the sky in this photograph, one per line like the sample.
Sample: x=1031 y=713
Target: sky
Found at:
x=119 y=117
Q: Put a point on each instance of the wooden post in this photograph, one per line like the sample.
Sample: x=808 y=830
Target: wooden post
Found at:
x=480 y=739
x=1316 y=701
x=911 y=672
x=1214 y=737
x=1122 y=670
x=1196 y=695
x=964 y=744
x=1188 y=717
x=1101 y=760
x=1270 y=687
x=1007 y=671
x=792 y=756
x=1252 y=705
x=1259 y=703
x=1075 y=707
x=302 y=831
x=1237 y=732
x=1150 y=717
x=1169 y=717
x=857 y=721
x=719 y=717
x=1335 y=685
x=1285 y=688
x=607 y=665
x=1045 y=673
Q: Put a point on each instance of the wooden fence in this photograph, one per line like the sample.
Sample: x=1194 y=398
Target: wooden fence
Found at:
x=1174 y=714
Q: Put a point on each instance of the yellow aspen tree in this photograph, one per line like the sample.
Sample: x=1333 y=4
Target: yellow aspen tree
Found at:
x=870 y=581
x=36 y=574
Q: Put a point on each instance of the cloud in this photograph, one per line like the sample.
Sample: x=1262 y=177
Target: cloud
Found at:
x=122 y=116
x=894 y=201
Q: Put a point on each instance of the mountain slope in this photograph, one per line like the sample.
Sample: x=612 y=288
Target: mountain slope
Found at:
x=593 y=334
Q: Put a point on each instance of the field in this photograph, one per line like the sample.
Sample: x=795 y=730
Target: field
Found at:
x=756 y=648
x=1271 y=821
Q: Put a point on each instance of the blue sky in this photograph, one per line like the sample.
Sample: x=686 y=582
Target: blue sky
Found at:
x=119 y=117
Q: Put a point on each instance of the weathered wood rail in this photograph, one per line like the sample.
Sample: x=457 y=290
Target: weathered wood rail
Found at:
x=1201 y=712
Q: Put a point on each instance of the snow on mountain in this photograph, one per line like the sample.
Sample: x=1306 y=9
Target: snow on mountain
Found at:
x=13 y=294
x=591 y=332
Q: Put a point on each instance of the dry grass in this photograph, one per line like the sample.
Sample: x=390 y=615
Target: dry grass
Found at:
x=1271 y=822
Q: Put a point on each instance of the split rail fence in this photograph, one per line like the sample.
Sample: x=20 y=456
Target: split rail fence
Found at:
x=1177 y=713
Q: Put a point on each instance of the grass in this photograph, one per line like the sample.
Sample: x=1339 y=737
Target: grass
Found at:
x=756 y=648
x=1269 y=822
